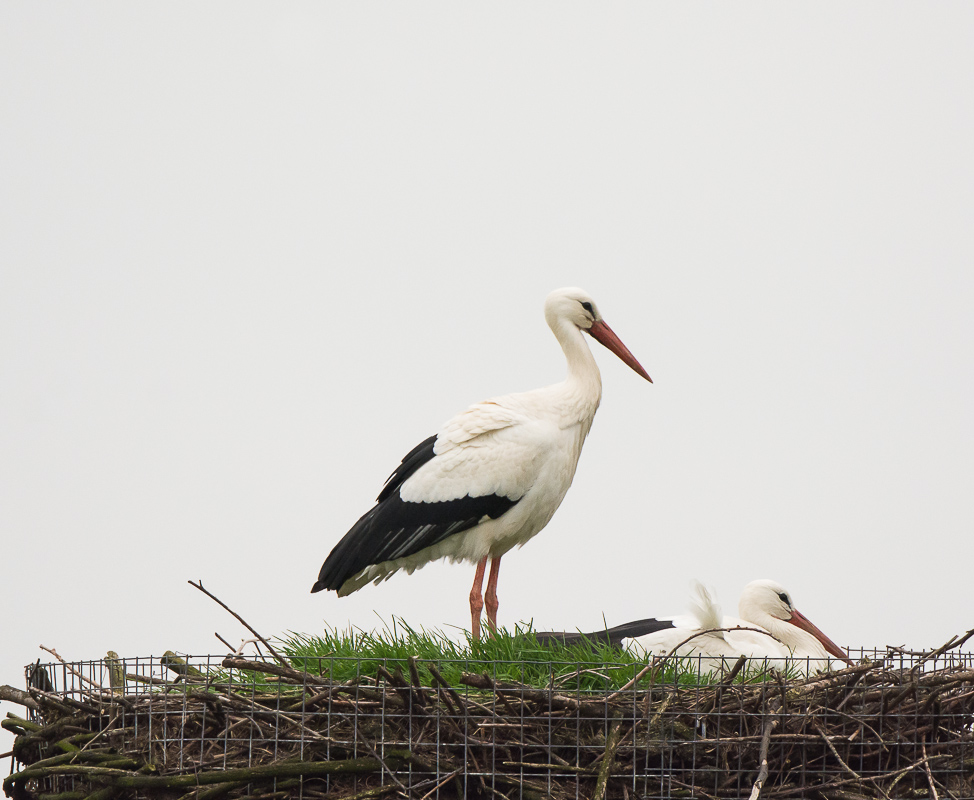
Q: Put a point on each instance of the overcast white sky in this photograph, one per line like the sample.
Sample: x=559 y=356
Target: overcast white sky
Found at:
x=252 y=254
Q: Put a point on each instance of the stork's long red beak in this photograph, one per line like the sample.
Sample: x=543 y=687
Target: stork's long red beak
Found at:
x=803 y=622
x=604 y=335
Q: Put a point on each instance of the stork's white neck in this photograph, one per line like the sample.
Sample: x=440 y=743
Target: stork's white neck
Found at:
x=584 y=381
x=801 y=643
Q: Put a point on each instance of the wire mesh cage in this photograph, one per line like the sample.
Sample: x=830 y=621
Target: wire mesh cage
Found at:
x=898 y=724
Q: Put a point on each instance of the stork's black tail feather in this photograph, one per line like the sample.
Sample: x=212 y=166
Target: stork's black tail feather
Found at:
x=613 y=637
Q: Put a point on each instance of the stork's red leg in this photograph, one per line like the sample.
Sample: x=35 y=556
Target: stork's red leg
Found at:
x=476 y=600
x=490 y=596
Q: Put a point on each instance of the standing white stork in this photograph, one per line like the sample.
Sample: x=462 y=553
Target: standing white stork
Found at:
x=770 y=628
x=490 y=479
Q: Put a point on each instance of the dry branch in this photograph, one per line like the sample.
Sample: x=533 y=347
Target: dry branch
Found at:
x=241 y=620
x=866 y=731
x=12 y=695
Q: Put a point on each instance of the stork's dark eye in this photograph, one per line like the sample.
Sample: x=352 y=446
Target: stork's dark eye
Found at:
x=784 y=599
x=587 y=306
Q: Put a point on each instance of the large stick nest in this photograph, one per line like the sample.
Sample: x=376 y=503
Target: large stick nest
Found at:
x=264 y=729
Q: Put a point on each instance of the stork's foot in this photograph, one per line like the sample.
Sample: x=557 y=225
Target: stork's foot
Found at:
x=475 y=610
x=476 y=600
x=490 y=596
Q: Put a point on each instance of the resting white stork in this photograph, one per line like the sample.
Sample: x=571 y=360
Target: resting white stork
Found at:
x=490 y=479
x=777 y=631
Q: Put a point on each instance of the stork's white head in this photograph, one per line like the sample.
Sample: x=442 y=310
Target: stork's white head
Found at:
x=572 y=304
x=765 y=597
x=769 y=604
x=576 y=307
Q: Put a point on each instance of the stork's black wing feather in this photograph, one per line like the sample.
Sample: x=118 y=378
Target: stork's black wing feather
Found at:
x=610 y=636
x=411 y=462
x=394 y=528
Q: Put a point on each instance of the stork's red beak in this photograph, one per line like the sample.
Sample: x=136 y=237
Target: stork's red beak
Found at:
x=604 y=335
x=803 y=622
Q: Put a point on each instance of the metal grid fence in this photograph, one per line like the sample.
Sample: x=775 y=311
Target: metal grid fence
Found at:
x=897 y=726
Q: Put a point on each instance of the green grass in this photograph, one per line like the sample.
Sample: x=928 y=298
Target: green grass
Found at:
x=515 y=656
x=509 y=656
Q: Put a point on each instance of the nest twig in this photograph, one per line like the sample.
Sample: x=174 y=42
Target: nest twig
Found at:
x=257 y=728
x=863 y=732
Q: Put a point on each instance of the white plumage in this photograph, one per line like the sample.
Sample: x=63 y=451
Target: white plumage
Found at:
x=491 y=478
x=771 y=628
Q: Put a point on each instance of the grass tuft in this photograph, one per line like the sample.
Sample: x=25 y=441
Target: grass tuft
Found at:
x=509 y=656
